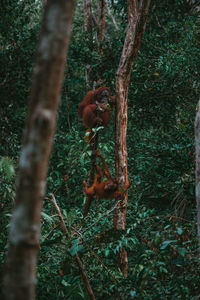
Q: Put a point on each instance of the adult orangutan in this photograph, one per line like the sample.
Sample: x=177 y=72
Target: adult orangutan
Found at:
x=96 y=115
x=95 y=107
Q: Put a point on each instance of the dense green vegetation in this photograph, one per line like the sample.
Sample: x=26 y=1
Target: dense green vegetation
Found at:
x=161 y=220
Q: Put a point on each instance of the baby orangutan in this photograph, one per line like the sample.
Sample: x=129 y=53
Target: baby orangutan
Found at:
x=107 y=189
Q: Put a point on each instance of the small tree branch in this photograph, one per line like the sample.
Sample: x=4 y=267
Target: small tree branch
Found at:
x=99 y=259
x=94 y=146
x=76 y=256
x=62 y=223
x=112 y=17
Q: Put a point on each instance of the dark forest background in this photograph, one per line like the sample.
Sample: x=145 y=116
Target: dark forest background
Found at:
x=164 y=90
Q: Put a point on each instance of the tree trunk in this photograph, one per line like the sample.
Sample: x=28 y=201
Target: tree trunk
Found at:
x=137 y=14
x=19 y=280
x=197 y=171
x=100 y=36
x=87 y=7
x=88 y=22
x=101 y=22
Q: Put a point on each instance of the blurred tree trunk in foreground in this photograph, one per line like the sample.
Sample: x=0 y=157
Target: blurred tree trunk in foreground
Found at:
x=19 y=279
x=137 y=15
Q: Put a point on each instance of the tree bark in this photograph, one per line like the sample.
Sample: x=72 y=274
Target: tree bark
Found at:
x=137 y=14
x=100 y=36
x=101 y=22
x=88 y=23
x=19 y=279
x=87 y=7
x=197 y=170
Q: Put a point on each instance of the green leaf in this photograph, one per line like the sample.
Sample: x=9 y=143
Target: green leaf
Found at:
x=107 y=251
x=75 y=247
x=179 y=230
x=73 y=250
x=133 y=294
x=71 y=217
x=165 y=244
x=7 y=167
x=97 y=129
x=82 y=158
x=87 y=133
x=65 y=283
x=47 y=218
x=182 y=251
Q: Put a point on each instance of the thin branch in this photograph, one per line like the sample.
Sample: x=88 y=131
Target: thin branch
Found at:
x=168 y=216
x=140 y=4
x=50 y=232
x=98 y=258
x=76 y=257
x=113 y=18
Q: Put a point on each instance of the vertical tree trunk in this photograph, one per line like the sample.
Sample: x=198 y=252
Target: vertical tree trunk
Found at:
x=101 y=22
x=100 y=26
x=19 y=280
x=87 y=7
x=88 y=23
x=137 y=14
x=197 y=170
x=100 y=36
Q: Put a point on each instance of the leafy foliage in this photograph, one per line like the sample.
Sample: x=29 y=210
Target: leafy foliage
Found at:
x=160 y=236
